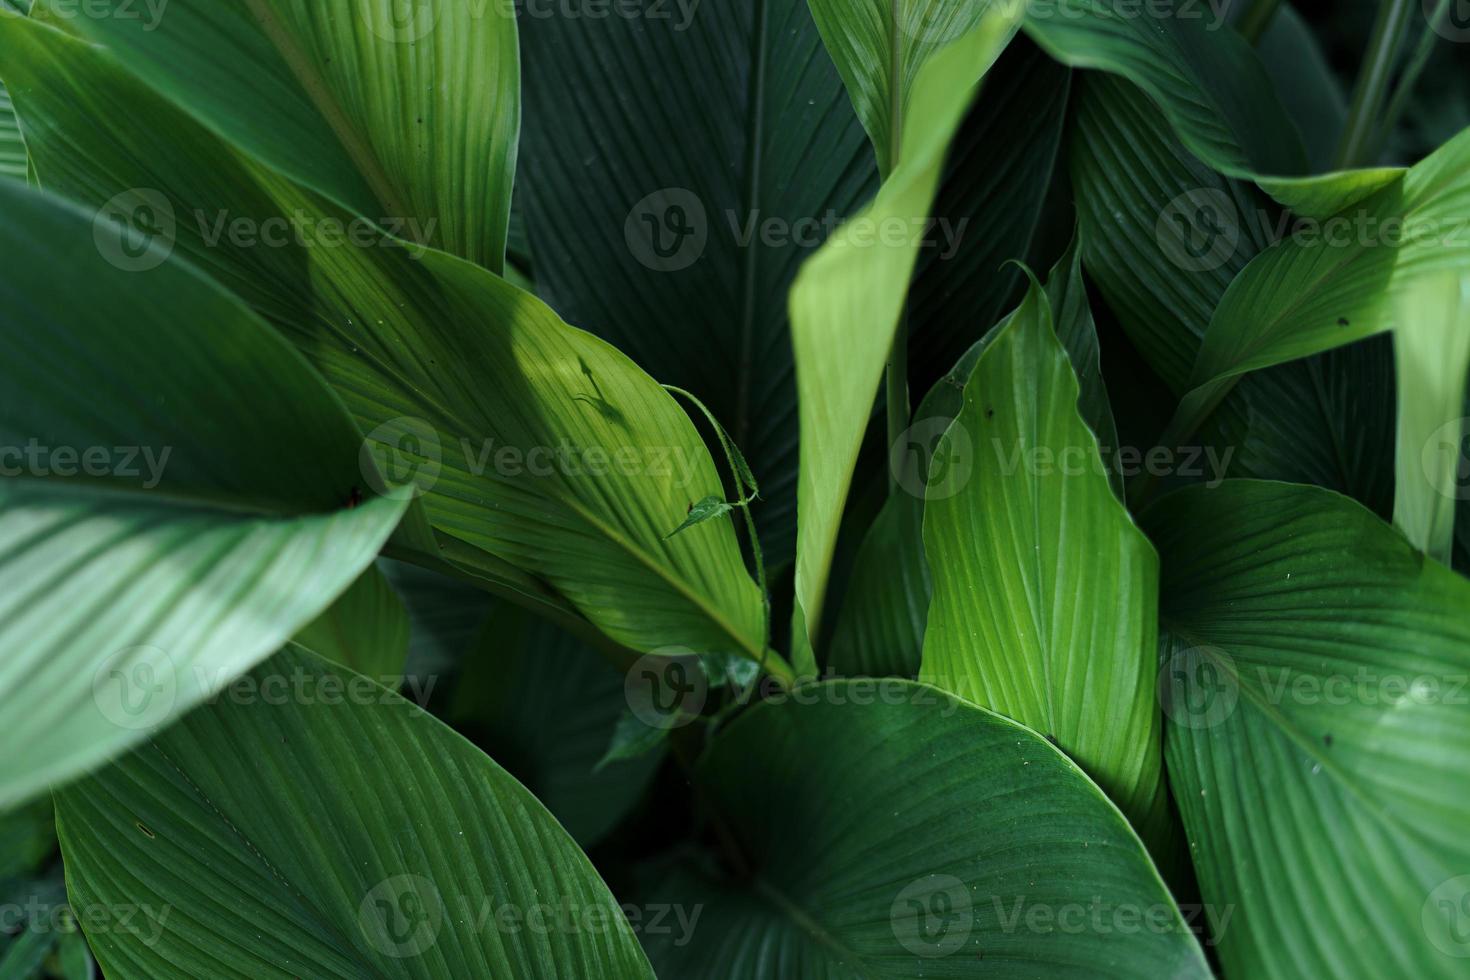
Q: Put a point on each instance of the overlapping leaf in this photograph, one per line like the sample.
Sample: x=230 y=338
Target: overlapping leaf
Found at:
x=350 y=836
x=399 y=112
x=1316 y=673
x=846 y=302
x=1045 y=593
x=677 y=167
x=176 y=496
x=535 y=444
x=920 y=836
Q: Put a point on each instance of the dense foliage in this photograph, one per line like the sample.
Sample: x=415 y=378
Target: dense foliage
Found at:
x=902 y=488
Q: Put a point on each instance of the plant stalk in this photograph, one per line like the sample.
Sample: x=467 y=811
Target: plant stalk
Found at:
x=1372 y=87
x=1409 y=77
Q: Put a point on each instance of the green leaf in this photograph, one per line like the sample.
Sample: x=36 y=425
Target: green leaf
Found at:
x=27 y=837
x=1164 y=237
x=366 y=629
x=1045 y=593
x=1432 y=345
x=997 y=172
x=401 y=119
x=856 y=874
x=1301 y=75
x=166 y=521
x=880 y=48
x=571 y=466
x=1337 y=283
x=1066 y=293
x=705 y=510
x=1315 y=684
x=847 y=300
x=351 y=836
x=632 y=738
x=544 y=706
x=13 y=161
x=683 y=257
x=880 y=628
x=1208 y=82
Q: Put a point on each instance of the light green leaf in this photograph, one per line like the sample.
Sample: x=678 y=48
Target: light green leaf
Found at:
x=847 y=300
x=880 y=48
x=267 y=837
x=1432 y=347
x=545 y=706
x=165 y=521
x=571 y=466
x=365 y=630
x=880 y=628
x=971 y=876
x=1316 y=670
x=682 y=258
x=402 y=113
x=1066 y=293
x=1045 y=593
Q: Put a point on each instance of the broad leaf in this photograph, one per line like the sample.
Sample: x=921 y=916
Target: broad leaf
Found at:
x=410 y=121
x=682 y=258
x=350 y=836
x=1432 y=345
x=176 y=500
x=1045 y=593
x=977 y=873
x=365 y=630
x=545 y=706
x=533 y=444
x=1315 y=671
x=847 y=300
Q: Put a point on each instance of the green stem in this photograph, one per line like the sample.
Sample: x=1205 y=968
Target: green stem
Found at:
x=1372 y=87
x=1257 y=17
